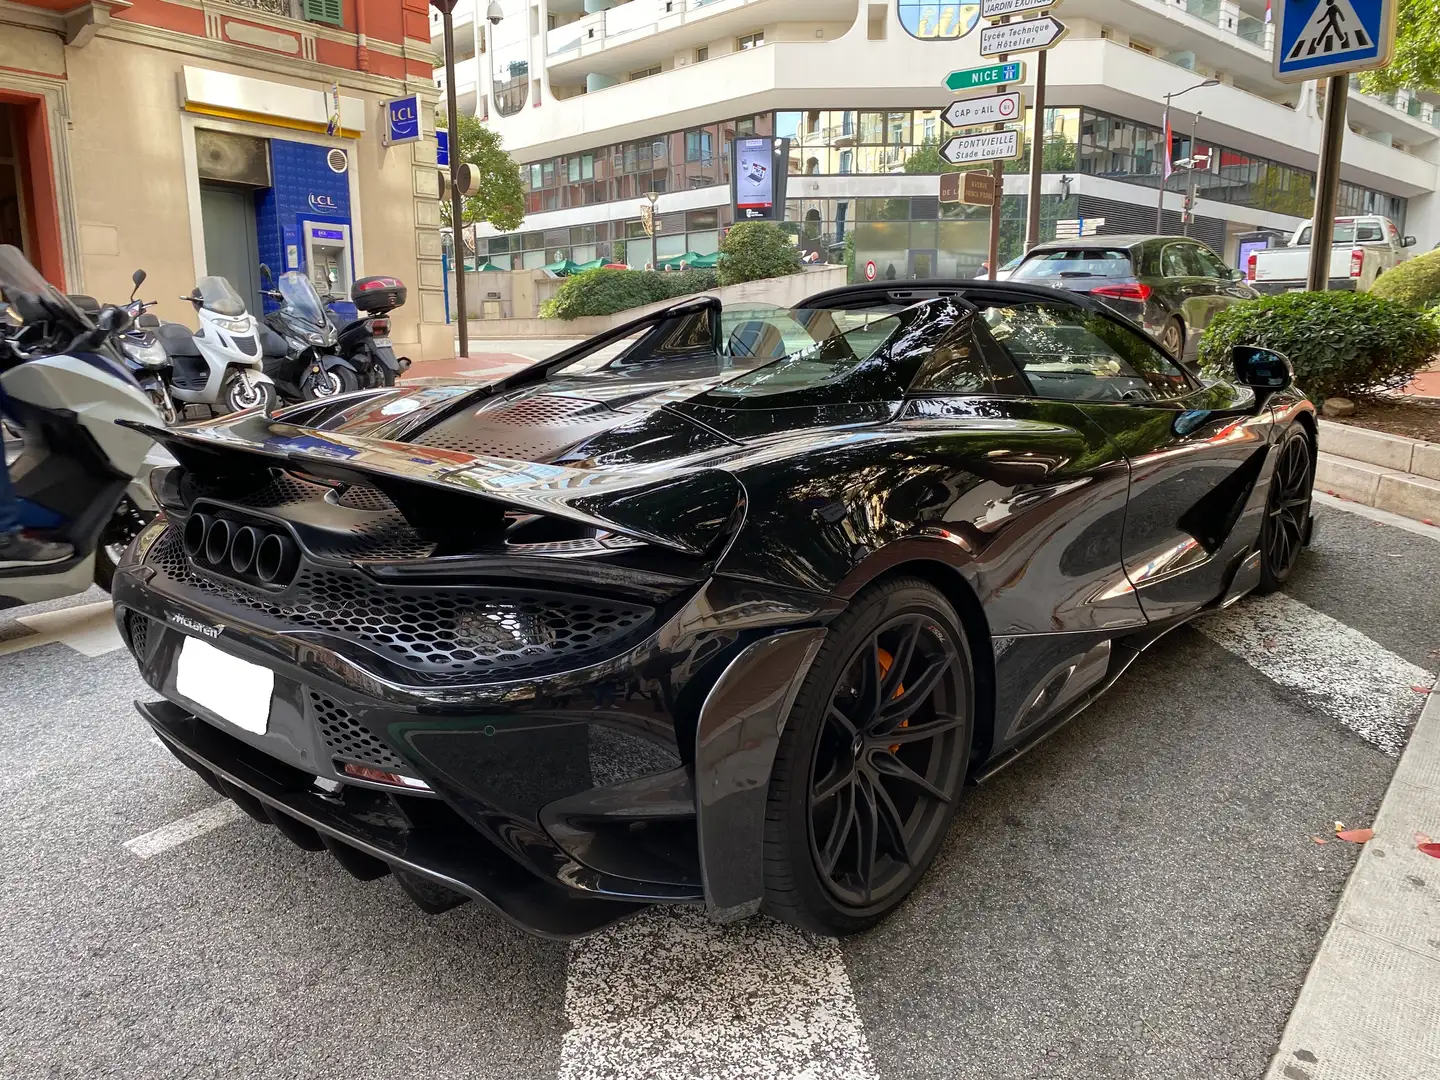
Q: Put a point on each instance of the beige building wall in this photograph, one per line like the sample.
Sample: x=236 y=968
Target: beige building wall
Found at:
x=129 y=148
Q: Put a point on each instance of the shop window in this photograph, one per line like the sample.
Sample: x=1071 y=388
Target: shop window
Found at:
x=322 y=11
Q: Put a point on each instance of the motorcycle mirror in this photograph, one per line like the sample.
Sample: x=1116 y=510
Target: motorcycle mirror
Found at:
x=265 y=272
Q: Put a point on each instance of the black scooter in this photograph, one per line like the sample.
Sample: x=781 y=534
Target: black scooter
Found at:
x=299 y=343
x=365 y=341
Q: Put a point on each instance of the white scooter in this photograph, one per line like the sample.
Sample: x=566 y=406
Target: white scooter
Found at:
x=219 y=365
x=80 y=477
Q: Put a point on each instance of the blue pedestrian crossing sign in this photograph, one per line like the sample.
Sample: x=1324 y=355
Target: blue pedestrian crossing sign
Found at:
x=1316 y=38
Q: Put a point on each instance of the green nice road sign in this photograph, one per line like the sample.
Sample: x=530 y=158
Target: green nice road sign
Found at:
x=983 y=78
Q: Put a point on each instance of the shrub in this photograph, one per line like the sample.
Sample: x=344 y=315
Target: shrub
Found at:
x=1340 y=343
x=604 y=292
x=1415 y=282
x=756 y=249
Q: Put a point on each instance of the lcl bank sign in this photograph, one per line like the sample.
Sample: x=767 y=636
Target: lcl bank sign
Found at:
x=937 y=22
x=402 y=120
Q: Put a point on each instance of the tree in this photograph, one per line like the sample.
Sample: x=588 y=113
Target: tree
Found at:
x=1416 y=63
x=501 y=200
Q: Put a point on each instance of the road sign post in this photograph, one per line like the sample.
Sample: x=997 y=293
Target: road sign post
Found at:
x=1330 y=39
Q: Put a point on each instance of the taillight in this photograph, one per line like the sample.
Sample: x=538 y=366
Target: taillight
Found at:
x=1250 y=267
x=1357 y=261
x=379 y=327
x=1133 y=290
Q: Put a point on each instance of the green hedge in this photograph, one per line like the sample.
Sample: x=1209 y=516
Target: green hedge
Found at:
x=1415 y=282
x=1340 y=343
x=604 y=292
x=753 y=250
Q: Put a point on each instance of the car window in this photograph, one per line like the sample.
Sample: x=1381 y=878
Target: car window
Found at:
x=1211 y=265
x=1072 y=354
x=1075 y=263
x=955 y=367
x=822 y=362
x=1178 y=260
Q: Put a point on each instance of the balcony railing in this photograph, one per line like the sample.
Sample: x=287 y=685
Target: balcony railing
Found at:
x=616 y=21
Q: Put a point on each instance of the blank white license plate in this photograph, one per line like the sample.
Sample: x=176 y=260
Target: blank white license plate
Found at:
x=383 y=342
x=231 y=688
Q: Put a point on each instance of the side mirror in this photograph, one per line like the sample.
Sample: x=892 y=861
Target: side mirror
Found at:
x=1263 y=370
x=265 y=273
x=1237 y=275
x=1407 y=241
x=112 y=319
x=137 y=279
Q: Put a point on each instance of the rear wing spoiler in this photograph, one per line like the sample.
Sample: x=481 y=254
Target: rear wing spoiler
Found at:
x=460 y=500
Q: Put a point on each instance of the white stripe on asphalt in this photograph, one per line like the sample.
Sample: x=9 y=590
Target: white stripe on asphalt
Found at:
x=89 y=629
x=186 y=828
x=1341 y=671
x=669 y=994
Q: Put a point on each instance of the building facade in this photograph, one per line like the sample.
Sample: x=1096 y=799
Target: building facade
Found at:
x=193 y=137
x=604 y=101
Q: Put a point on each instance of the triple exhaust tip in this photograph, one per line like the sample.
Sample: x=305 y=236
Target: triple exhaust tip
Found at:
x=248 y=552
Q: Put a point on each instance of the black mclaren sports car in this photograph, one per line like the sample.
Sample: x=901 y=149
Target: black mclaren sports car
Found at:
x=723 y=607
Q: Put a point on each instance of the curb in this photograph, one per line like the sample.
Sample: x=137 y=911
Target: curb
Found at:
x=1379 y=448
x=1368 y=1005
x=1387 y=472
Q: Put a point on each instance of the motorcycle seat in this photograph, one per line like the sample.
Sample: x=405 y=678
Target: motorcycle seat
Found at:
x=88 y=304
x=177 y=339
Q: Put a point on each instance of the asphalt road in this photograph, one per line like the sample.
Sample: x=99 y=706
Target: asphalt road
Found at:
x=1139 y=897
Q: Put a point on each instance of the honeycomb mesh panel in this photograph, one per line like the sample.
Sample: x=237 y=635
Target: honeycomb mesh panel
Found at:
x=137 y=629
x=441 y=635
x=529 y=429
x=278 y=489
x=360 y=497
x=537 y=409
x=347 y=738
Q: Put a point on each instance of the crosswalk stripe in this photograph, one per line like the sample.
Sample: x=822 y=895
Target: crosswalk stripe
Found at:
x=1347 y=675
x=152 y=843
x=89 y=629
x=669 y=994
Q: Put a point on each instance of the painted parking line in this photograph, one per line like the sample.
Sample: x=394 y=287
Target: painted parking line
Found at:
x=89 y=629
x=190 y=826
x=1347 y=675
x=669 y=994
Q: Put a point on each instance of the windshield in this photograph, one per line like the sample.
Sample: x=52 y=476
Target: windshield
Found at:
x=300 y=296
x=1075 y=262
x=856 y=338
x=17 y=276
x=217 y=295
x=1348 y=232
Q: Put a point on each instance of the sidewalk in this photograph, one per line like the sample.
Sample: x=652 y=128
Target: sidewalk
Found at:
x=477 y=365
x=1426 y=384
x=1369 y=1005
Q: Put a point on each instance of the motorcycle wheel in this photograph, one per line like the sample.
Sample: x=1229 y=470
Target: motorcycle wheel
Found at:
x=124 y=525
x=240 y=393
x=330 y=383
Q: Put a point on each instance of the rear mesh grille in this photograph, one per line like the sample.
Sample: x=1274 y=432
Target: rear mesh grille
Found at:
x=137 y=629
x=442 y=635
x=347 y=738
x=530 y=429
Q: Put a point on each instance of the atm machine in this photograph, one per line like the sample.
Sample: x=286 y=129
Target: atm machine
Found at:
x=326 y=257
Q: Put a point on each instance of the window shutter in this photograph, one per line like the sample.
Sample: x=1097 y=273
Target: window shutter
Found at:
x=325 y=11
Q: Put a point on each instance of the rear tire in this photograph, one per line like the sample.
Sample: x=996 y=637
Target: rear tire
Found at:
x=1287 y=510
x=1172 y=338
x=242 y=391
x=871 y=761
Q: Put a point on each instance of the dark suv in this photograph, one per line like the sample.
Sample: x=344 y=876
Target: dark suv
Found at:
x=1171 y=285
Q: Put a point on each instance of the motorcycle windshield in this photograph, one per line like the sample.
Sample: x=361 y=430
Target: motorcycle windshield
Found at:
x=18 y=278
x=219 y=296
x=301 y=298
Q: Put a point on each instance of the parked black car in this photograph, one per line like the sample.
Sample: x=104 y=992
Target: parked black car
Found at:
x=1173 y=286
x=694 y=624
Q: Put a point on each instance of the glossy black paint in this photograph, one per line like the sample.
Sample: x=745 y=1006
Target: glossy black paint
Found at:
x=566 y=781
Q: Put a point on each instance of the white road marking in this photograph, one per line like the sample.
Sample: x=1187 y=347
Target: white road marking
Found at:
x=1341 y=671
x=670 y=994
x=1385 y=517
x=89 y=629
x=186 y=828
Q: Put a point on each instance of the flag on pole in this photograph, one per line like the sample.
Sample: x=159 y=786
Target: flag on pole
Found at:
x=1167 y=168
x=1268 y=15
x=332 y=110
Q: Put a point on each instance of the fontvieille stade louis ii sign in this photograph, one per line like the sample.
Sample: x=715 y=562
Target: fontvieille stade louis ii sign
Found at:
x=937 y=22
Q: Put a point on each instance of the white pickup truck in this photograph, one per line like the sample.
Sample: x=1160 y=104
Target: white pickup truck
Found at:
x=1363 y=249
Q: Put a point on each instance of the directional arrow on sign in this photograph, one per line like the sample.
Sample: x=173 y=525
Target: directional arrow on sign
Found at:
x=1027 y=36
x=998 y=9
x=992 y=109
x=982 y=78
x=983 y=146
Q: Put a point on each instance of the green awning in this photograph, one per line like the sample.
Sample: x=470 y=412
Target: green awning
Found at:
x=593 y=264
x=705 y=262
x=561 y=268
x=673 y=263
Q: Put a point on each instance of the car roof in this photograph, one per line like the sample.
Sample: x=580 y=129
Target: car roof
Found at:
x=1124 y=240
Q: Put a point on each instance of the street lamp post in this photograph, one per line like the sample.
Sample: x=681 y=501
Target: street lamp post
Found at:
x=1164 y=134
x=652 y=197
x=457 y=201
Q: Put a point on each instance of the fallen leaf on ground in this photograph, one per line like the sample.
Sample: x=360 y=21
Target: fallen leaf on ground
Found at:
x=1356 y=836
x=1319 y=840
x=1421 y=689
x=1433 y=850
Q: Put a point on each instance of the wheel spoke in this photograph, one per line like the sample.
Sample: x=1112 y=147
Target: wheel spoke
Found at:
x=915 y=695
x=847 y=726
x=840 y=830
x=887 y=764
x=867 y=834
x=832 y=785
x=891 y=821
x=900 y=662
x=931 y=729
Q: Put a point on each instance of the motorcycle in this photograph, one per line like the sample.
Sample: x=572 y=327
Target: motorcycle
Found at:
x=80 y=477
x=218 y=366
x=310 y=367
x=365 y=341
x=144 y=355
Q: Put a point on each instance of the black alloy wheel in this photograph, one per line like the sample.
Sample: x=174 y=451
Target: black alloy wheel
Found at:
x=871 y=762
x=1287 y=510
x=1172 y=339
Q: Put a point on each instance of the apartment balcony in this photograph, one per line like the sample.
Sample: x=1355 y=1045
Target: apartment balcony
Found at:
x=463 y=20
x=640 y=33
x=468 y=93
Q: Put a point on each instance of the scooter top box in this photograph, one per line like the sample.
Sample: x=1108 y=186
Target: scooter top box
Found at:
x=378 y=293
